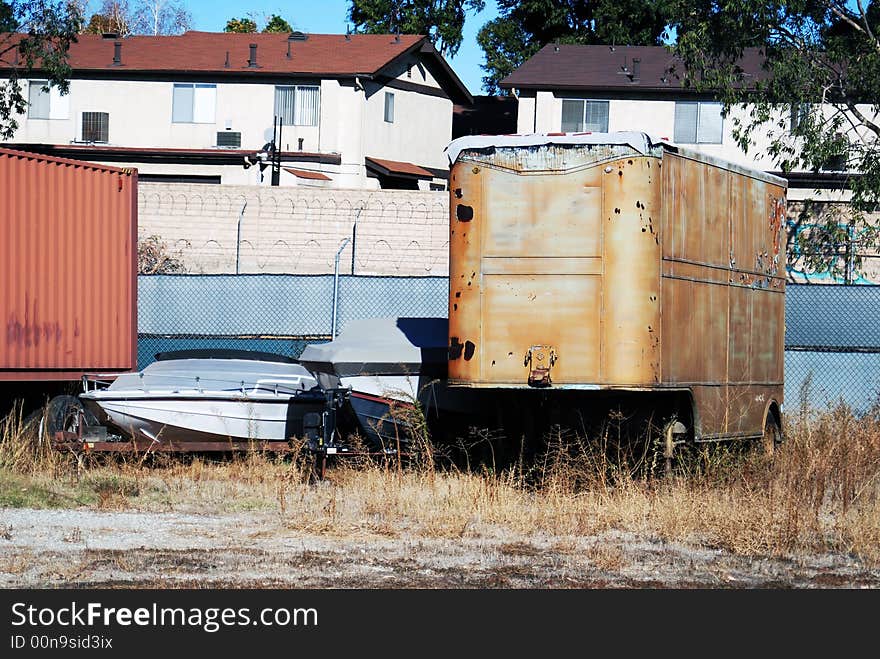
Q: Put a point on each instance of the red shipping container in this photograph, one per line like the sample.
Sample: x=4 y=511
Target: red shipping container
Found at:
x=68 y=267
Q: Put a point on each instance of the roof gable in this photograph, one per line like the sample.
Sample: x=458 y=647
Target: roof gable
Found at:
x=566 y=66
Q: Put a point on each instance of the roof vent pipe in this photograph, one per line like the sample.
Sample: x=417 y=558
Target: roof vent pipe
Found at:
x=288 y=49
x=636 y=69
x=226 y=63
x=117 y=53
x=252 y=61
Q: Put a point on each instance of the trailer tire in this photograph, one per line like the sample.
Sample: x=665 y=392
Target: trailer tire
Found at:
x=65 y=413
x=772 y=435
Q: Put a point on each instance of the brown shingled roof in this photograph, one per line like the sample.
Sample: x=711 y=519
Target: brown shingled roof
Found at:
x=561 y=66
x=397 y=168
x=319 y=54
x=308 y=174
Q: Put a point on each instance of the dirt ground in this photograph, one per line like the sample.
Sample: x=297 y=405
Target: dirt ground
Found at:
x=121 y=549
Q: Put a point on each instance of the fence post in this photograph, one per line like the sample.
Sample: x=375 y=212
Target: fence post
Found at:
x=238 y=236
x=336 y=285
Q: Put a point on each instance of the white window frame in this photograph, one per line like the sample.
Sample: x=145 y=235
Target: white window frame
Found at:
x=299 y=111
x=202 y=103
x=696 y=128
x=59 y=106
x=585 y=102
x=389 y=107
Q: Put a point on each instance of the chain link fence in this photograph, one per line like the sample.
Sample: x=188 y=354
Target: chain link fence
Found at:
x=832 y=331
x=832 y=345
x=270 y=313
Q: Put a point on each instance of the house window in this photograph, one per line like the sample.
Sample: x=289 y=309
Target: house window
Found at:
x=194 y=103
x=46 y=103
x=698 y=122
x=581 y=116
x=798 y=113
x=95 y=127
x=298 y=105
x=389 y=107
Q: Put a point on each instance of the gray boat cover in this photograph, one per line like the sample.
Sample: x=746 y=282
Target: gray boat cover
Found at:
x=382 y=346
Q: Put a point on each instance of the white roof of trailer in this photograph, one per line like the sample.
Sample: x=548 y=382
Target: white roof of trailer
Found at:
x=640 y=142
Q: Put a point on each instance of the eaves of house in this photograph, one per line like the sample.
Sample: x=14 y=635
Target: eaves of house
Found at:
x=234 y=57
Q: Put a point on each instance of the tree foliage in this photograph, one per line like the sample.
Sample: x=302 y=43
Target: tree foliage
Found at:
x=276 y=24
x=243 y=25
x=815 y=102
x=34 y=35
x=525 y=26
x=442 y=21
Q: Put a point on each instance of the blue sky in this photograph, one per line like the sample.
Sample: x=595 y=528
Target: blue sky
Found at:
x=329 y=17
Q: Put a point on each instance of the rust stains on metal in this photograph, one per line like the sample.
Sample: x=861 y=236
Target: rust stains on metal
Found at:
x=651 y=271
x=67 y=267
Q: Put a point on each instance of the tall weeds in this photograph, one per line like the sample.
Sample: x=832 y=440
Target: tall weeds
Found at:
x=819 y=492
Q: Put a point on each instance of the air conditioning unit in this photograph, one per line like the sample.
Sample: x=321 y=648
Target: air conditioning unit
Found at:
x=228 y=139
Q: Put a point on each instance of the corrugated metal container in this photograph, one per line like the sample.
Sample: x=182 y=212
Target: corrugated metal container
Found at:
x=68 y=240
x=608 y=262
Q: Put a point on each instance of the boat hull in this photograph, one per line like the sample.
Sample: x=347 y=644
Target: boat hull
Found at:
x=191 y=419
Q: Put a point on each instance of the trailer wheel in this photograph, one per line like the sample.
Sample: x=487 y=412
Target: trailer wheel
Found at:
x=674 y=435
x=65 y=414
x=772 y=435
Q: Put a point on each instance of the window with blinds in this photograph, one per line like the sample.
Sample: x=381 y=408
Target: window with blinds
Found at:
x=194 y=103
x=298 y=105
x=698 y=122
x=583 y=116
x=46 y=103
x=95 y=127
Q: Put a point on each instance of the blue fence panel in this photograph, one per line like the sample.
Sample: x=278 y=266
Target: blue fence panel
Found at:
x=832 y=332
x=832 y=316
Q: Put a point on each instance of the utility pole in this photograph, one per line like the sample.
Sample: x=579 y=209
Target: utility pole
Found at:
x=276 y=151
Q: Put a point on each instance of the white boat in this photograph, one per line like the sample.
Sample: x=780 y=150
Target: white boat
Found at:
x=222 y=398
x=391 y=365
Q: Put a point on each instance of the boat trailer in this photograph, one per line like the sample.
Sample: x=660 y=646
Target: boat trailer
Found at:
x=322 y=439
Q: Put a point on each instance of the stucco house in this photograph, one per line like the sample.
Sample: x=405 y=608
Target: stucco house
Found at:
x=356 y=111
x=575 y=88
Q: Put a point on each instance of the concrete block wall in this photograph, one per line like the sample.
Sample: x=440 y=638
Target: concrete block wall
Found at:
x=298 y=230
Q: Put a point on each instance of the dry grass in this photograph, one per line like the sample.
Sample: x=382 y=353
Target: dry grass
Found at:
x=819 y=493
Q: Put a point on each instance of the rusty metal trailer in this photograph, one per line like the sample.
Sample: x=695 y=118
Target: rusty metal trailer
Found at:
x=617 y=263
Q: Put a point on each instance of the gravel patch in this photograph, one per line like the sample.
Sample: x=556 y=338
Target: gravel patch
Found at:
x=87 y=548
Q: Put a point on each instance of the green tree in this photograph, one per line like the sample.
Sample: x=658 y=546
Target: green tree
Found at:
x=277 y=24
x=523 y=27
x=441 y=21
x=244 y=25
x=35 y=35
x=815 y=101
